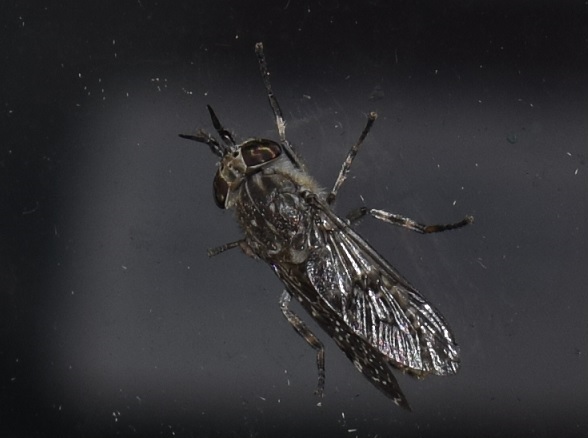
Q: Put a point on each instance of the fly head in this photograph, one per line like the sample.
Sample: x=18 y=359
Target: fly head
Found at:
x=238 y=161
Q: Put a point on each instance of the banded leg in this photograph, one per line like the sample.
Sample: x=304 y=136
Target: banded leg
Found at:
x=396 y=219
x=309 y=337
x=350 y=157
x=273 y=101
x=270 y=93
x=237 y=243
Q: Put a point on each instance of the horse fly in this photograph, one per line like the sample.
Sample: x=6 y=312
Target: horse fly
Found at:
x=373 y=314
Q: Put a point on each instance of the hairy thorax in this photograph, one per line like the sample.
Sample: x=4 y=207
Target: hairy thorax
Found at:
x=275 y=217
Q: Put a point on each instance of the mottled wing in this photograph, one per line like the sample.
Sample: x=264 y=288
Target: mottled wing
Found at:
x=367 y=359
x=374 y=315
x=376 y=302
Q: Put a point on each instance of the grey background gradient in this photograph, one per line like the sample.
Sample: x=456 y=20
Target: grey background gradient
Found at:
x=113 y=320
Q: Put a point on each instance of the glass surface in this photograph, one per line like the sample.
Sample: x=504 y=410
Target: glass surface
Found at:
x=114 y=322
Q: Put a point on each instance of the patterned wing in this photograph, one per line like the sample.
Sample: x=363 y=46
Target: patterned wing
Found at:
x=367 y=359
x=374 y=315
x=376 y=302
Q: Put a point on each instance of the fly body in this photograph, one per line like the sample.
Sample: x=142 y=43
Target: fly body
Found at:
x=373 y=314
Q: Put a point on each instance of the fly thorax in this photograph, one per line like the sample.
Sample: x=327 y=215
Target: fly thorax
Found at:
x=274 y=216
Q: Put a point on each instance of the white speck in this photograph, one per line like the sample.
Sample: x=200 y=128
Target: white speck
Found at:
x=72 y=292
x=124 y=267
x=351 y=430
x=455 y=202
x=576 y=172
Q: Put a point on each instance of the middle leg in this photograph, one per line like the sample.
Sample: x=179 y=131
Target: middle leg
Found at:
x=405 y=222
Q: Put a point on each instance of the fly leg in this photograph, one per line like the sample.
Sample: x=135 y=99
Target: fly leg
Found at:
x=350 y=157
x=405 y=222
x=236 y=244
x=270 y=93
x=273 y=101
x=309 y=337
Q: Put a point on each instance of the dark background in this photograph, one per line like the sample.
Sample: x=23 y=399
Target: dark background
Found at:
x=113 y=321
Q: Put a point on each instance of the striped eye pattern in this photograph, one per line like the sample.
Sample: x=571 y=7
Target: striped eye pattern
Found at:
x=258 y=152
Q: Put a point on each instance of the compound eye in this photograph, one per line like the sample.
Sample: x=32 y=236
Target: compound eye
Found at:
x=220 y=189
x=257 y=152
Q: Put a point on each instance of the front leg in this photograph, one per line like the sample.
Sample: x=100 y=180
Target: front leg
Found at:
x=349 y=159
